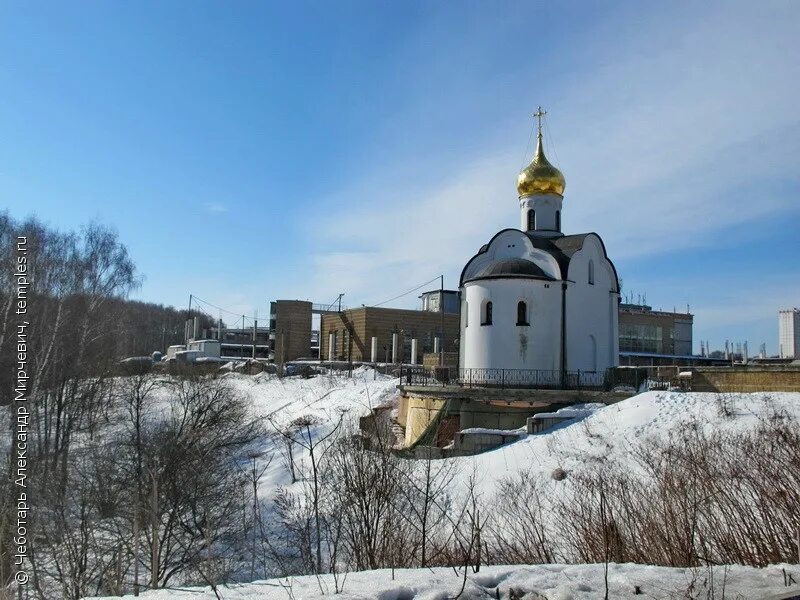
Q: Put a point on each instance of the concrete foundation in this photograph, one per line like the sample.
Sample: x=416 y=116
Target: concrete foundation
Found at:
x=449 y=410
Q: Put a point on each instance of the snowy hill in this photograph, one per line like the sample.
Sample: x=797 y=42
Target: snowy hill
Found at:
x=609 y=435
x=606 y=434
x=537 y=582
x=324 y=399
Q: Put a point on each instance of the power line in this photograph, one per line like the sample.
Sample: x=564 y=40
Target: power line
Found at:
x=527 y=147
x=238 y=315
x=550 y=141
x=404 y=293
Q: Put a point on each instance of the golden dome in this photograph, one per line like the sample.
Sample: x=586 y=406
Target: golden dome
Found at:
x=540 y=177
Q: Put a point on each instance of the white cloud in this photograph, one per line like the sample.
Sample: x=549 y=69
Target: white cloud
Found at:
x=665 y=136
x=215 y=208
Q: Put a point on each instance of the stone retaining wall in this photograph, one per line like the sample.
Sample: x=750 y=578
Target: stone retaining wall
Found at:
x=746 y=378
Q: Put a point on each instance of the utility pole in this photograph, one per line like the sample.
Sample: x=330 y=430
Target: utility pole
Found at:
x=186 y=328
x=441 y=320
x=255 y=333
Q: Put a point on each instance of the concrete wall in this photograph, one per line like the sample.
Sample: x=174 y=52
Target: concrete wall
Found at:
x=490 y=409
x=474 y=442
x=746 y=379
x=417 y=414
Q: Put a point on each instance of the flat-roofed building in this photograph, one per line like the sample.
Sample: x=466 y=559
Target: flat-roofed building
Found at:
x=789 y=333
x=436 y=299
x=347 y=335
x=648 y=336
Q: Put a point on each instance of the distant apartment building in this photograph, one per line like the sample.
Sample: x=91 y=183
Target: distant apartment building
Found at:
x=347 y=335
x=648 y=336
x=789 y=333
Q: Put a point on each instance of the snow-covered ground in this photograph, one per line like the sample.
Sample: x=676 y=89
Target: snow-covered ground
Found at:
x=606 y=433
x=536 y=582
x=327 y=400
x=597 y=433
x=610 y=432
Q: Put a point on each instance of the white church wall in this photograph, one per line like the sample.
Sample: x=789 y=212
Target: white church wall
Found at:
x=546 y=206
x=592 y=338
x=504 y=344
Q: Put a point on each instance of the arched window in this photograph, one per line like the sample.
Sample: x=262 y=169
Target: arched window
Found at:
x=466 y=313
x=487 y=314
x=522 y=313
x=558 y=220
x=591 y=272
x=531 y=220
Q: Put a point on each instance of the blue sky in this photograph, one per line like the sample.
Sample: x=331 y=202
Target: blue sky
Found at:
x=250 y=151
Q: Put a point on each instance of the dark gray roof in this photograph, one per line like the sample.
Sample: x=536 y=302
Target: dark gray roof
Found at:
x=570 y=244
x=561 y=248
x=511 y=267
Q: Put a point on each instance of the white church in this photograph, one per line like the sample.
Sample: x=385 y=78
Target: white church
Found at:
x=535 y=298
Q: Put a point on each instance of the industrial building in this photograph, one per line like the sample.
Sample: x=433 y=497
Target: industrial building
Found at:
x=654 y=337
x=244 y=342
x=789 y=333
x=433 y=300
x=396 y=335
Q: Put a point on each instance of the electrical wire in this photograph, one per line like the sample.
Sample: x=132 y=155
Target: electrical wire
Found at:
x=527 y=147
x=550 y=142
x=403 y=294
x=225 y=310
x=240 y=315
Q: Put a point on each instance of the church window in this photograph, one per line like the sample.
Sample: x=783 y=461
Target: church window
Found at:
x=487 y=314
x=558 y=220
x=591 y=272
x=531 y=220
x=522 y=313
x=466 y=313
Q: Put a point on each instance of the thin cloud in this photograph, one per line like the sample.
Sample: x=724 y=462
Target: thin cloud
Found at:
x=215 y=208
x=662 y=151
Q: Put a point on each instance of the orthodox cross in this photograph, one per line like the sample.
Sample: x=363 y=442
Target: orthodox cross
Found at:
x=539 y=114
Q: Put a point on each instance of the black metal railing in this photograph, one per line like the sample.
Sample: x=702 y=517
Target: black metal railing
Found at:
x=506 y=378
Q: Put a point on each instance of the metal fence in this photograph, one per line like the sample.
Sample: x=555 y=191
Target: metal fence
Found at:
x=506 y=378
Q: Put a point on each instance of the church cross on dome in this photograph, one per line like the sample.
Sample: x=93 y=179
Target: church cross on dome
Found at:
x=539 y=114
